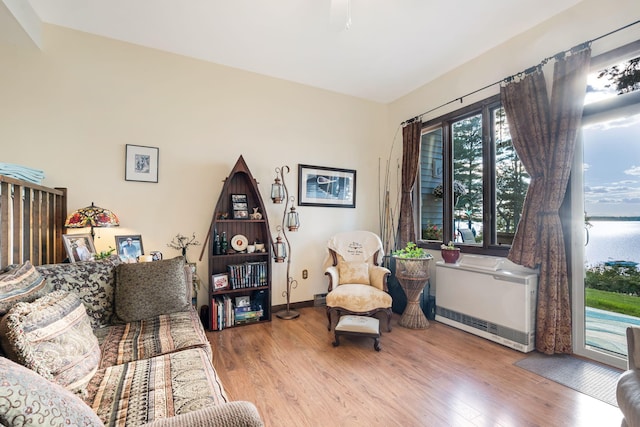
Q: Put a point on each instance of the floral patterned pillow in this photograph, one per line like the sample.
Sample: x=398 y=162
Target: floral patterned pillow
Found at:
x=30 y=400
x=53 y=337
x=21 y=283
x=92 y=281
x=353 y=272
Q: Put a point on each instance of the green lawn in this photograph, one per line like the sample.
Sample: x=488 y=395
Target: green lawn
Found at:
x=612 y=301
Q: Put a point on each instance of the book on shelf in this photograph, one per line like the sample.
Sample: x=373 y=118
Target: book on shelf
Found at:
x=225 y=313
x=247 y=275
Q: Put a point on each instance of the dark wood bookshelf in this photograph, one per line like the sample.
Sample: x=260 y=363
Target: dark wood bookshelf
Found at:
x=239 y=182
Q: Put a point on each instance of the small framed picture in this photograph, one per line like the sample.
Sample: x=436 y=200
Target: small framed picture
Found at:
x=241 y=214
x=141 y=163
x=156 y=255
x=79 y=247
x=238 y=198
x=243 y=301
x=129 y=247
x=220 y=281
x=239 y=206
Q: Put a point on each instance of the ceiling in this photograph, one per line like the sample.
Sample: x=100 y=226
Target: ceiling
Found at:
x=392 y=47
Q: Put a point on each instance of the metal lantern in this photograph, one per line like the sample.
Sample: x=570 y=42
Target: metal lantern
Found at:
x=293 y=220
x=277 y=191
x=279 y=250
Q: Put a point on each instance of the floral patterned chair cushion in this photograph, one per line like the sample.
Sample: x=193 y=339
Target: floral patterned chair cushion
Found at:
x=30 y=400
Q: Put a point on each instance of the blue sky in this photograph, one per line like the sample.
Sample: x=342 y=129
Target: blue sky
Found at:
x=611 y=161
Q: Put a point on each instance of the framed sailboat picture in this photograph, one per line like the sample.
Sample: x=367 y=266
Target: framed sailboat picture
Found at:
x=324 y=186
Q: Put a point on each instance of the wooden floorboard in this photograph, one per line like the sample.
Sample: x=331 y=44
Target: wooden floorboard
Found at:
x=439 y=376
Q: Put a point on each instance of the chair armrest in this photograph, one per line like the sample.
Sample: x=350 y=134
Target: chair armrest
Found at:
x=378 y=276
x=230 y=414
x=332 y=273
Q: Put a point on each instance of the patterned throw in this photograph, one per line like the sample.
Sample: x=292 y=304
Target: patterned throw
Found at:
x=153 y=337
x=146 y=390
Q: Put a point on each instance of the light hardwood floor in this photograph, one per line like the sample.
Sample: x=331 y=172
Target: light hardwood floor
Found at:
x=439 y=376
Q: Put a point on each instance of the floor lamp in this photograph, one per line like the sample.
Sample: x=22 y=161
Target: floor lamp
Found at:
x=282 y=249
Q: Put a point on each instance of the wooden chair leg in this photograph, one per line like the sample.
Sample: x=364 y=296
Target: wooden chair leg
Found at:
x=328 y=319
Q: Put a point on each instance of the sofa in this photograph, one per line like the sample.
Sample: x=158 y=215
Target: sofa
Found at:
x=108 y=343
x=628 y=388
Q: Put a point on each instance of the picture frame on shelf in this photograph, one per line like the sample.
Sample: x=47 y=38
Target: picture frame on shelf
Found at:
x=220 y=281
x=141 y=163
x=129 y=247
x=243 y=301
x=239 y=206
x=79 y=247
x=326 y=186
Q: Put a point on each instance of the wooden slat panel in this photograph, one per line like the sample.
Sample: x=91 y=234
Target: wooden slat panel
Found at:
x=17 y=223
x=31 y=222
x=35 y=227
x=59 y=219
x=48 y=253
x=5 y=236
x=27 y=227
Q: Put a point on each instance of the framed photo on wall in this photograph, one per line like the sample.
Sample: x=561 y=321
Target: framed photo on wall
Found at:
x=79 y=247
x=129 y=247
x=324 y=186
x=141 y=163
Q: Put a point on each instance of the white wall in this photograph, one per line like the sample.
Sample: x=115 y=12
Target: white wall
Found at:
x=71 y=108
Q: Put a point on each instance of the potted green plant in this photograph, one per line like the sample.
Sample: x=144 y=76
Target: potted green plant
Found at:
x=104 y=254
x=449 y=252
x=412 y=261
x=412 y=271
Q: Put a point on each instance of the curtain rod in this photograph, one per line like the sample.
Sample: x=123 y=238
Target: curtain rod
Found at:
x=529 y=70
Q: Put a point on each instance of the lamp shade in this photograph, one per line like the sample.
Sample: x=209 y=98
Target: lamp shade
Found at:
x=92 y=216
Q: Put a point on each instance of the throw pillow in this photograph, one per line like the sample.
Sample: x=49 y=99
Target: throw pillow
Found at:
x=149 y=289
x=22 y=283
x=53 y=337
x=30 y=400
x=353 y=272
x=92 y=281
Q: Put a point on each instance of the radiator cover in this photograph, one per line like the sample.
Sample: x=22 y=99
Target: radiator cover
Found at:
x=495 y=304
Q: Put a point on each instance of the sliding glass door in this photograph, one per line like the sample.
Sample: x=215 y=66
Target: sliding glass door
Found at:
x=605 y=249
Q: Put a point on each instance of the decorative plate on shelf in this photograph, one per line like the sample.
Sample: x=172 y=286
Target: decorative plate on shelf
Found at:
x=239 y=242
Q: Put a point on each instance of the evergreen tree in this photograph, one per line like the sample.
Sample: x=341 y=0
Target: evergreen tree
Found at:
x=467 y=165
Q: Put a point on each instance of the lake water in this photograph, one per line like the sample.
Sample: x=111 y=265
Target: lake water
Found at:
x=613 y=241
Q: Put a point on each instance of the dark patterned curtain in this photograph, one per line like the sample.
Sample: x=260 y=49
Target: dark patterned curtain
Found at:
x=410 y=162
x=544 y=132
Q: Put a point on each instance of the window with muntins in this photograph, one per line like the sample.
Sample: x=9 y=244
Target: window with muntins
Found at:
x=472 y=184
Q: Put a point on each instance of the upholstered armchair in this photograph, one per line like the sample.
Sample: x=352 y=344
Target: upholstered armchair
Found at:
x=357 y=282
x=628 y=389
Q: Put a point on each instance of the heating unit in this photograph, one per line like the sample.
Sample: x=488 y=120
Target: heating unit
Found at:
x=478 y=296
